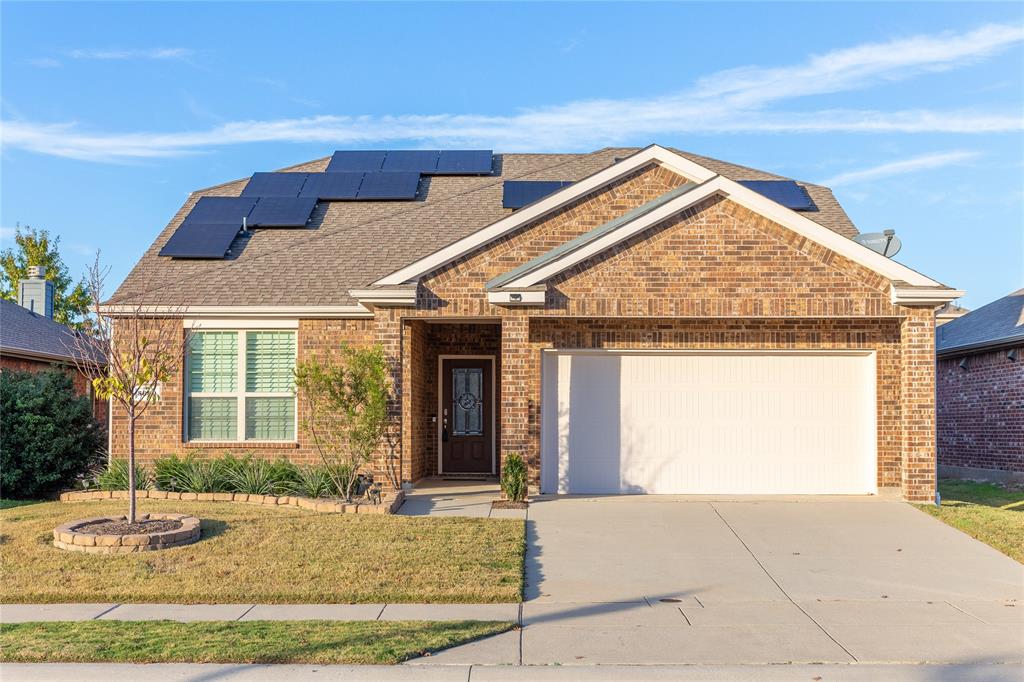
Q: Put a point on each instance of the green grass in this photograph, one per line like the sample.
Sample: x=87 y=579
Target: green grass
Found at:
x=254 y=554
x=991 y=513
x=11 y=504
x=163 y=641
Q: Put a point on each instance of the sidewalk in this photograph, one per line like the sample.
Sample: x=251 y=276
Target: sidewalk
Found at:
x=185 y=613
x=102 y=672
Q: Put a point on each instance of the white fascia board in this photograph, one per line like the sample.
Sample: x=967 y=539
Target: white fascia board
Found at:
x=384 y=297
x=806 y=227
x=923 y=295
x=511 y=298
x=757 y=203
x=238 y=311
x=652 y=154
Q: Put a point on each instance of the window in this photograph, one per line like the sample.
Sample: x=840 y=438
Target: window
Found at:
x=467 y=399
x=241 y=386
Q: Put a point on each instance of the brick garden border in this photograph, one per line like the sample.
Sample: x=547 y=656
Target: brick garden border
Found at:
x=320 y=505
x=67 y=536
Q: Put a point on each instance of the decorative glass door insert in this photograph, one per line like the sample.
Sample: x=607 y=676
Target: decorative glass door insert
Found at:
x=468 y=401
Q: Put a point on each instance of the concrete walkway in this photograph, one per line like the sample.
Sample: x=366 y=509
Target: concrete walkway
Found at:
x=176 y=672
x=440 y=497
x=189 y=613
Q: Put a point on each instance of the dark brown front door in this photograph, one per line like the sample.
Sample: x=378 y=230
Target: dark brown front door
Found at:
x=466 y=434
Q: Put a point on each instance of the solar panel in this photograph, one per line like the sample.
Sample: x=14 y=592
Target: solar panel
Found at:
x=221 y=210
x=332 y=186
x=785 y=192
x=282 y=212
x=464 y=162
x=274 y=184
x=519 y=193
x=201 y=240
x=356 y=161
x=388 y=186
x=420 y=161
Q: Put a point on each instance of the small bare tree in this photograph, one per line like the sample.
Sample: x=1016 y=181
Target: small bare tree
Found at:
x=346 y=409
x=127 y=362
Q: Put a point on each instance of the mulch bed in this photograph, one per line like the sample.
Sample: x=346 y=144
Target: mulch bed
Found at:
x=125 y=528
x=508 y=504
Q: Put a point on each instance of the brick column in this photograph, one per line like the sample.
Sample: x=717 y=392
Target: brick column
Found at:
x=917 y=404
x=388 y=333
x=520 y=381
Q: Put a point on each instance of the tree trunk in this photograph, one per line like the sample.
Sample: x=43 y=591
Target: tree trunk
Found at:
x=131 y=468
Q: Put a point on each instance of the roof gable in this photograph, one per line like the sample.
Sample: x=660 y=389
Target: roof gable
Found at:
x=707 y=183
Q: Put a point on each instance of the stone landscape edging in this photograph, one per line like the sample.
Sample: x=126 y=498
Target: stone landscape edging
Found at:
x=67 y=536
x=308 y=503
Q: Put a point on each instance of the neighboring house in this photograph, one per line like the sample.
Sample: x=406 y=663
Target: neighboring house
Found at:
x=31 y=341
x=948 y=313
x=980 y=395
x=629 y=320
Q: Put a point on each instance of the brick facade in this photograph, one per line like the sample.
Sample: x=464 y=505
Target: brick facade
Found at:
x=716 y=276
x=980 y=410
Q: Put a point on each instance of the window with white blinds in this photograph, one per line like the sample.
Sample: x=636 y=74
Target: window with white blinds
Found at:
x=241 y=386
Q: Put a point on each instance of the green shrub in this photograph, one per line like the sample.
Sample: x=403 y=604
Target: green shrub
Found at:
x=115 y=476
x=252 y=476
x=48 y=437
x=513 y=478
x=314 y=482
x=168 y=470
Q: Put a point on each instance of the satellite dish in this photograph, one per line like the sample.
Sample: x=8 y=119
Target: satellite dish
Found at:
x=885 y=243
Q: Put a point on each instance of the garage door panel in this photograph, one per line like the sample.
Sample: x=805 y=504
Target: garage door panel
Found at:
x=708 y=423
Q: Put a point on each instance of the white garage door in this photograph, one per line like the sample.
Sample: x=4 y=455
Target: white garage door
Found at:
x=708 y=423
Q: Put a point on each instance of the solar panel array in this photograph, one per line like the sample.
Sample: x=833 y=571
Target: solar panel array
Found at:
x=785 y=192
x=519 y=193
x=423 y=161
x=287 y=200
x=337 y=186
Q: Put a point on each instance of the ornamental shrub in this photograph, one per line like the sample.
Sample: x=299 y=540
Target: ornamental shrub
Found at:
x=115 y=476
x=513 y=478
x=48 y=436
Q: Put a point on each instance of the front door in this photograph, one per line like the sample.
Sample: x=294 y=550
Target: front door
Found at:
x=466 y=409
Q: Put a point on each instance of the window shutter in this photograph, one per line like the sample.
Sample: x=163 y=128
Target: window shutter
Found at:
x=213 y=362
x=269 y=362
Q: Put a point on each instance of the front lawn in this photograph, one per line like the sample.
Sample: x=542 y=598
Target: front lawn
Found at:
x=991 y=513
x=252 y=554
x=305 y=641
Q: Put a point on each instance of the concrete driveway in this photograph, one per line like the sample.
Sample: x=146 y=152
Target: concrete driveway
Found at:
x=663 y=580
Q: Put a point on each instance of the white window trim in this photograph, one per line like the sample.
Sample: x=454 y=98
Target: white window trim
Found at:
x=240 y=394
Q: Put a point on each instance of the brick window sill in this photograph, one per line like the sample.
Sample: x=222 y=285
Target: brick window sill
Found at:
x=239 y=445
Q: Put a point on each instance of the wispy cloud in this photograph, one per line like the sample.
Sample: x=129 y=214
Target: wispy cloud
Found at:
x=902 y=167
x=734 y=100
x=134 y=53
x=44 y=62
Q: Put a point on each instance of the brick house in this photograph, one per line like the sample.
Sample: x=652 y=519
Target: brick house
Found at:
x=980 y=392
x=30 y=340
x=629 y=320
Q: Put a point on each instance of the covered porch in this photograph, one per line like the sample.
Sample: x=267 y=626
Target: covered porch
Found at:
x=451 y=399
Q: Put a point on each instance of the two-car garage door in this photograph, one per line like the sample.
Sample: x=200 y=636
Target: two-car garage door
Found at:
x=708 y=423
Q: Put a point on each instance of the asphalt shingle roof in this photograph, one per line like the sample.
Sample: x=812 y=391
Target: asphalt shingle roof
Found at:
x=23 y=331
x=999 y=323
x=349 y=245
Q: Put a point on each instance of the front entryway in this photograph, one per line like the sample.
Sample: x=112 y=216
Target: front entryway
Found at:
x=467 y=415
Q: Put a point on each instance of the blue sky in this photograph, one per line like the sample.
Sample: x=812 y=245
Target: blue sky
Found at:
x=913 y=113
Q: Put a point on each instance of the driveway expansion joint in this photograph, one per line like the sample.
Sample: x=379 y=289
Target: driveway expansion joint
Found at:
x=781 y=589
